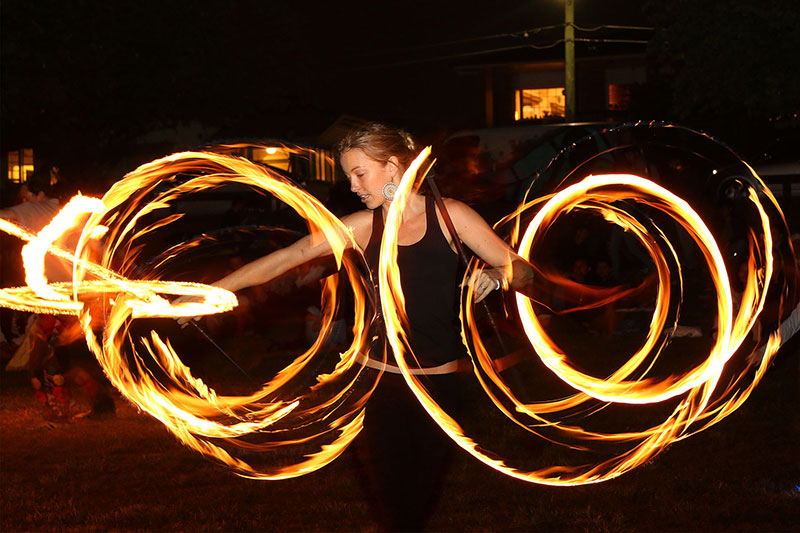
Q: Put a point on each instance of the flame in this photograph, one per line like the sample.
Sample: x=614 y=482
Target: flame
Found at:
x=304 y=431
x=704 y=401
x=299 y=433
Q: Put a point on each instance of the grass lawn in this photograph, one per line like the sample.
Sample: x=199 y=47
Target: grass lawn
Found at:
x=127 y=473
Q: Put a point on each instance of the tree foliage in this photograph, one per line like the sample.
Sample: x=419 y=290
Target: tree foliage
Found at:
x=729 y=58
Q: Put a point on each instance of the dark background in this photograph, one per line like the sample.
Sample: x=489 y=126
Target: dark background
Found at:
x=83 y=81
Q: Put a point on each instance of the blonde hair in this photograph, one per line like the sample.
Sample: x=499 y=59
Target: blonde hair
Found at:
x=380 y=142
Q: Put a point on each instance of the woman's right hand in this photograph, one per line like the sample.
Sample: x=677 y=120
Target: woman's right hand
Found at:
x=183 y=321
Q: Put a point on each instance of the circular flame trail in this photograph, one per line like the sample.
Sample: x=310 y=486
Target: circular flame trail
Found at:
x=300 y=433
x=704 y=399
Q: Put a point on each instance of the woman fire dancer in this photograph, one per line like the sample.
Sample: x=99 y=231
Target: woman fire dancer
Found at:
x=401 y=452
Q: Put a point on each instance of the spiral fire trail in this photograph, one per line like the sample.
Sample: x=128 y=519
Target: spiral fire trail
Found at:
x=303 y=432
x=296 y=433
x=701 y=395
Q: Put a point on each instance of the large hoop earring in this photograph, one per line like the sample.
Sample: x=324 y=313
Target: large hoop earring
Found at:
x=389 y=190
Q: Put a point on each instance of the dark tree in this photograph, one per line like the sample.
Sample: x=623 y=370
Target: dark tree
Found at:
x=729 y=63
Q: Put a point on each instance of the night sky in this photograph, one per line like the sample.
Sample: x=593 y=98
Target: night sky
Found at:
x=89 y=70
x=82 y=80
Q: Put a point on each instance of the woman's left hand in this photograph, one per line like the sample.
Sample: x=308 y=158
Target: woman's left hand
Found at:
x=485 y=283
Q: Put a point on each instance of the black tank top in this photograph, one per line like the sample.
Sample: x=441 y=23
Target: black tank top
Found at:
x=429 y=273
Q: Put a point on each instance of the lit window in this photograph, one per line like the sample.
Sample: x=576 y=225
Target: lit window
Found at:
x=539 y=103
x=619 y=97
x=20 y=165
x=301 y=163
x=273 y=156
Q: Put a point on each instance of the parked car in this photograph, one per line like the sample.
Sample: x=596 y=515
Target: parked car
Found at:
x=492 y=168
x=779 y=167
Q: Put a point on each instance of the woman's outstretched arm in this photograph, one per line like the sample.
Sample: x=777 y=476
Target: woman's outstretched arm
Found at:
x=510 y=270
x=283 y=260
x=279 y=262
x=273 y=265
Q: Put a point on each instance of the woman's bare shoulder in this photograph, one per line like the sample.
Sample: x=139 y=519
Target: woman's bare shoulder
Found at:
x=360 y=223
x=452 y=203
x=460 y=211
x=358 y=219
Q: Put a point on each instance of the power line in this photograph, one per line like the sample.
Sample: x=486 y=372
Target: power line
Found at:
x=456 y=56
x=518 y=34
x=490 y=51
x=613 y=27
x=525 y=33
x=628 y=41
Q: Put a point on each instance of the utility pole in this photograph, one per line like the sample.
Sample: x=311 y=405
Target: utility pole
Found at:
x=569 y=60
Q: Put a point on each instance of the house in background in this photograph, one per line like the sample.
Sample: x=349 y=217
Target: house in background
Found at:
x=525 y=73
x=533 y=91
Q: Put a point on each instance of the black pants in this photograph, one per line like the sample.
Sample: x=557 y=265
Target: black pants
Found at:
x=402 y=455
